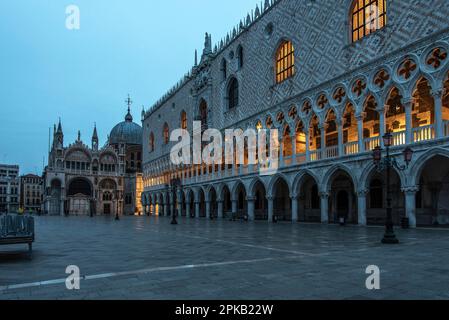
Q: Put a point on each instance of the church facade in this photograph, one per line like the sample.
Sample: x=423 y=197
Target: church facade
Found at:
x=90 y=180
x=333 y=77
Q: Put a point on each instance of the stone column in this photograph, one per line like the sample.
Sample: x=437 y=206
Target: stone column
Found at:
x=439 y=125
x=323 y=141
x=251 y=202
x=382 y=125
x=179 y=206
x=208 y=209
x=324 y=207
x=341 y=150
x=360 y=133
x=234 y=208
x=361 y=207
x=410 y=204
x=293 y=139
x=220 y=209
x=188 y=212
x=270 y=209
x=197 y=209
x=408 y=121
x=295 y=214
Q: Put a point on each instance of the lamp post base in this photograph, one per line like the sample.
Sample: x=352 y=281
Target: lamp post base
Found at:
x=390 y=239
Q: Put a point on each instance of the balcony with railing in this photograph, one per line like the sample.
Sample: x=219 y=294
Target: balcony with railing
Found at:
x=351 y=148
x=423 y=133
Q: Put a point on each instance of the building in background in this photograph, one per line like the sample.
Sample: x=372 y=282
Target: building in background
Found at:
x=31 y=193
x=89 y=180
x=333 y=77
x=9 y=188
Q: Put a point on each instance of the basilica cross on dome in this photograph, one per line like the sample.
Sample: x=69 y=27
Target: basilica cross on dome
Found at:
x=129 y=102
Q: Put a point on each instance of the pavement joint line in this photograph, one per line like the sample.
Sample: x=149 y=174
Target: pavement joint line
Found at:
x=4 y=289
x=250 y=245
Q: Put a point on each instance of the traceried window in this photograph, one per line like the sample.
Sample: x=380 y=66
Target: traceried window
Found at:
x=166 y=134
x=285 y=62
x=367 y=17
x=233 y=94
x=151 y=144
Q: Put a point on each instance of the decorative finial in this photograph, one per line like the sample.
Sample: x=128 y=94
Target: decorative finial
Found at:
x=128 y=116
x=79 y=135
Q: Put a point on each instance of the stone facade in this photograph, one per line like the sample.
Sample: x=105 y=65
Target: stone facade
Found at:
x=9 y=188
x=331 y=113
x=31 y=193
x=89 y=180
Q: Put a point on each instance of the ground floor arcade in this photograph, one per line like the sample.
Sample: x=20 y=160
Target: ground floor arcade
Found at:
x=353 y=191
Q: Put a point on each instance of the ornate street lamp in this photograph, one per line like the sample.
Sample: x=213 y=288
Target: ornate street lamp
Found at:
x=174 y=183
x=117 y=197
x=387 y=164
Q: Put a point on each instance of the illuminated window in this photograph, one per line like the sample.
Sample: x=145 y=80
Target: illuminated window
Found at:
x=184 y=120
x=367 y=17
x=285 y=62
x=166 y=134
x=233 y=94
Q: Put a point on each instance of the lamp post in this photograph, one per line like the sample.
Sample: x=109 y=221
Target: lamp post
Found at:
x=386 y=164
x=117 y=197
x=174 y=184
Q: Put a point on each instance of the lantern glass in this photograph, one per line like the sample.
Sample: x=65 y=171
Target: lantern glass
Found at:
x=388 y=139
x=408 y=155
x=377 y=154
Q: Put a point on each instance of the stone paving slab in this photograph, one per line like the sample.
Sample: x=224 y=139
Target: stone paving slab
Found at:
x=147 y=258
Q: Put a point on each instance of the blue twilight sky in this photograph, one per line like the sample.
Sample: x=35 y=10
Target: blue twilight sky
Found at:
x=140 y=47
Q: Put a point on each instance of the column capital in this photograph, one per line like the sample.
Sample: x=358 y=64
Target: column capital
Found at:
x=437 y=93
x=294 y=197
x=411 y=190
x=270 y=198
x=362 y=192
x=251 y=199
x=324 y=195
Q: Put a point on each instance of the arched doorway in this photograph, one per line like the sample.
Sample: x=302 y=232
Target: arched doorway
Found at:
x=54 y=207
x=423 y=112
x=281 y=202
x=261 y=202
x=227 y=201
x=395 y=117
x=309 y=200
x=371 y=124
x=80 y=197
x=213 y=203
x=432 y=199
x=190 y=203
x=108 y=191
x=377 y=198
x=202 y=200
x=342 y=199
x=242 y=207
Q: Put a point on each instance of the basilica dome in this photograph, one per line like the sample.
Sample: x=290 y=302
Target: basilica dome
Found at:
x=126 y=132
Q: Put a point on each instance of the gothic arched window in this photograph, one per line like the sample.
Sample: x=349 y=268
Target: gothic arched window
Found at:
x=367 y=16
x=224 y=69
x=151 y=144
x=240 y=56
x=166 y=134
x=233 y=94
x=285 y=61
